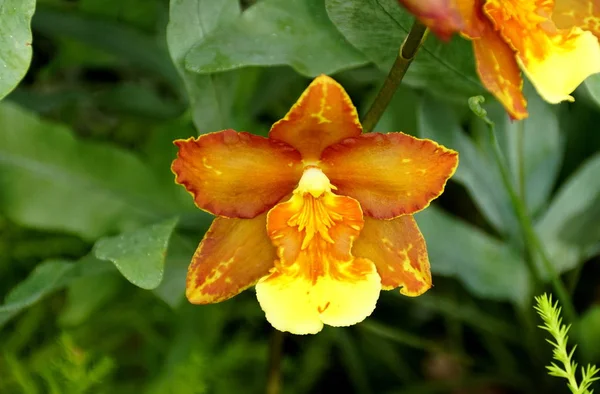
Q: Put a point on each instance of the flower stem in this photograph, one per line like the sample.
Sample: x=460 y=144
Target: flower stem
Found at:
x=406 y=54
x=532 y=242
x=275 y=354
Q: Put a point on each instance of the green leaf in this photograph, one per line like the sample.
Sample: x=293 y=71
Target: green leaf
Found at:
x=139 y=255
x=569 y=228
x=44 y=279
x=487 y=267
x=117 y=39
x=588 y=334
x=211 y=96
x=592 y=88
x=476 y=170
x=50 y=180
x=297 y=33
x=378 y=28
x=48 y=277
x=15 y=42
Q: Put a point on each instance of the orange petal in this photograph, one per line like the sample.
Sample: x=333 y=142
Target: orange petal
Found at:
x=323 y=115
x=577 y=13
x=233 y=255
x=236 y=174
x=398 y=250
x=555 y=60
x=389 y=174
x=317 y=280
x=499 y=72
x=441 y=16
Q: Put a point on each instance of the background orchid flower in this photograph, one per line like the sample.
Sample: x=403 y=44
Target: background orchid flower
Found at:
x=318 y=215
x=553 y=42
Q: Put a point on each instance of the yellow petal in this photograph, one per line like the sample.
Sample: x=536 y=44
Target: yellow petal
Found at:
x=316 y=280
x=555 y=60
x=298 y=305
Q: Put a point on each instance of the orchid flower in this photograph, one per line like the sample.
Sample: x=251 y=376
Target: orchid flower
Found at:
x=318 y=216
x=553 y=42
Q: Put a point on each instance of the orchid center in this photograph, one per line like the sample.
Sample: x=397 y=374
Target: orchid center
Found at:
x=313 y=181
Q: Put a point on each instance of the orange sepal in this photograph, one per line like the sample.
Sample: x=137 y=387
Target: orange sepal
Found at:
x=499 y=71
x=234 y=255
x=235 y=174
x=389 y=174
x=323 y=115
x=441 y=16
x=398 y=250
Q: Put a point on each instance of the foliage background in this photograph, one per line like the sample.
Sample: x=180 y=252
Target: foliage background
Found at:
x=88 y=207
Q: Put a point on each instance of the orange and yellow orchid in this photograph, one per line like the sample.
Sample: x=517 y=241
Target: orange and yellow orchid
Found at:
x=554 y=43
x=318 y=216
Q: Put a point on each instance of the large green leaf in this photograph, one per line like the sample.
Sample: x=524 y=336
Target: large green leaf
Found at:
x=569 y=228
x=139 y=255
x=476 y=170
x=210 y=96
x=588 y=334
x=297 y=33
x=487 y=267
x=15 y=42
x=378 y=27
x=46 y=278
x=117 y=39
x=51 y=180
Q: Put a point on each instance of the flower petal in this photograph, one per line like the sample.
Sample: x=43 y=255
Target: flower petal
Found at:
x=389 y=174
x=441 y=16
x=555 y=60
x=323 y=115
x=236 y=174
x=499 y=72
x=233 y=255
x=301 y=306
x=317 y=280
x=398 y=250
x=577 y=13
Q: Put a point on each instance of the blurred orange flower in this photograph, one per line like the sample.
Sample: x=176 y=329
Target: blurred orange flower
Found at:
x=554 y=42
x=318 y=215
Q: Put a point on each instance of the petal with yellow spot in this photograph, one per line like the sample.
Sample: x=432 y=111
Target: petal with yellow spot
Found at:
x=389 y=174
x=317 y=280
x=441 y=16
x=235 y=174
x=323 y=115
x=234 y=255
x=399 y=252
x=555 y=60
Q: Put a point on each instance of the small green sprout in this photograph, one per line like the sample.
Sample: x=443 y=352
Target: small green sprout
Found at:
x=550 y=314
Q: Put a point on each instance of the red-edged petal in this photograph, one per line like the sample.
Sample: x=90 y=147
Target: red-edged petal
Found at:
x=323 y=115
x=441 y=16
x=389 y=174
x=398 y=250
x=236 y=174
x=234 y=255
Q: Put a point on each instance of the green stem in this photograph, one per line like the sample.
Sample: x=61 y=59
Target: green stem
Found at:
x=274 y=376
x=406 y=54
x=521 y=159
x=533 y=243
